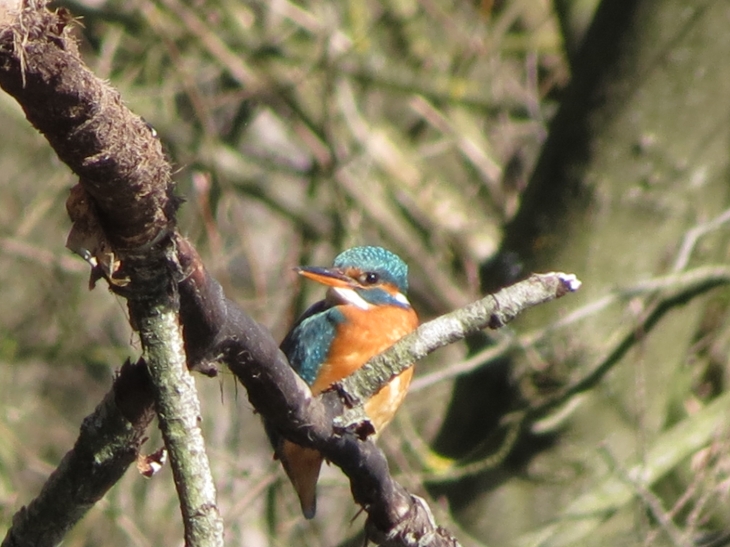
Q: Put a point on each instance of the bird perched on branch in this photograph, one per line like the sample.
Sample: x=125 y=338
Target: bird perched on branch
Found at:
x=365 y=311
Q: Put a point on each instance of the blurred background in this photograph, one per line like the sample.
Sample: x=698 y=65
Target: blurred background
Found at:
x=479 y=140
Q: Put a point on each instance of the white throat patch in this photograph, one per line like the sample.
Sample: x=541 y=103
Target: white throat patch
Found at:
x=345 y=295
x=400 y=297
x=349 y=296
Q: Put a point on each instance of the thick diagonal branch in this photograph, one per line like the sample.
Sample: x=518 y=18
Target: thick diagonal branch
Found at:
x=123 y=212
x=123 y=216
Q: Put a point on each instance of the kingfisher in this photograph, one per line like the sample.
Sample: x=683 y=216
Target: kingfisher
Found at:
x=364 y=312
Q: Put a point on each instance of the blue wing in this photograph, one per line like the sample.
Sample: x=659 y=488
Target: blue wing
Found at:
x=307 y=344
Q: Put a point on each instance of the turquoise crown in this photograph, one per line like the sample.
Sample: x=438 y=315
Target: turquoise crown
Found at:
x=387 y=265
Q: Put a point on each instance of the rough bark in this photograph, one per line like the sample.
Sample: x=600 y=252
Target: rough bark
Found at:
x=108 y=443
x=124 y=213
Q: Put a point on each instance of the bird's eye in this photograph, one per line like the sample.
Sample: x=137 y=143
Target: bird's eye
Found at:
x=369 y=278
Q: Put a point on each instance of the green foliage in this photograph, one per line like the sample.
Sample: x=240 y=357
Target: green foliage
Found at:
x=301 y=129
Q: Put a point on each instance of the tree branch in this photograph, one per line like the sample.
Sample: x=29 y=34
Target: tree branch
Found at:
x=123 y=213
x=108 y=443
x=178 y=411
x=494 y=311
x=676 y=289
x=217 y=329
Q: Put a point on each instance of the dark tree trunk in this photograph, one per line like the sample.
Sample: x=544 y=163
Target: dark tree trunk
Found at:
x=636 y=156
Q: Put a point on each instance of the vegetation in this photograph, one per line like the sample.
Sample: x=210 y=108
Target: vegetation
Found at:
x=480 y=141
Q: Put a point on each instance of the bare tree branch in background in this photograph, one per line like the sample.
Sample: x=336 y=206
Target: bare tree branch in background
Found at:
x=124 y=225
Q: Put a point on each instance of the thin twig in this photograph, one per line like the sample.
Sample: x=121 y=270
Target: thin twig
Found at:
x=693 y=235
x=679 y=288
x=649 y=499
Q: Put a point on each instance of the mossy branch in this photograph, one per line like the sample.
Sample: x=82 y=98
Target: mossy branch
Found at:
x=493 y=311
x=123 y=212
x=124 y=218
x=108 y=443
x=178 y=412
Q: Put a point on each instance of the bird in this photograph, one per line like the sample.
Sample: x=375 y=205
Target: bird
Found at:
x=364 y=312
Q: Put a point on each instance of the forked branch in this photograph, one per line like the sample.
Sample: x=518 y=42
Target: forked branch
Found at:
x=123 y=212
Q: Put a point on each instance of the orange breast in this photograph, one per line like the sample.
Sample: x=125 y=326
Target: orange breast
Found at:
x=364 y=334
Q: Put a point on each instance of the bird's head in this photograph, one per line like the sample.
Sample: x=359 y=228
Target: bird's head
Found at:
x=364 y=277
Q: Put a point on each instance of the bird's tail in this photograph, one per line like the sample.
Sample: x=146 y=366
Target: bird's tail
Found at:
x=302 y=465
